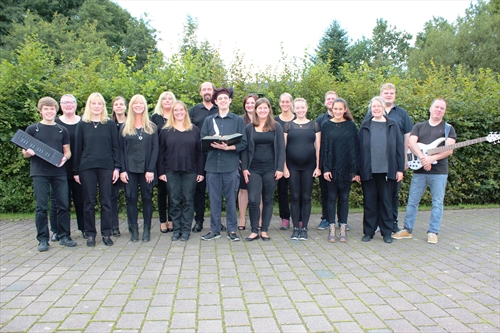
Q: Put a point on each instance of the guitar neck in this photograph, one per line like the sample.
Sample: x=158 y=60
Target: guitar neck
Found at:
x=455 y=145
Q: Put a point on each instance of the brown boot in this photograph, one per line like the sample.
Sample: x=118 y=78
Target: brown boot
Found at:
x=343 y=233
x=332 y=236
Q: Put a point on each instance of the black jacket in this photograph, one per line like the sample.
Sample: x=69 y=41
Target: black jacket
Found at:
x=279 y=148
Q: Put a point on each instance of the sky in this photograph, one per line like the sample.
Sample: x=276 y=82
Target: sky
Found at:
x=259 y=29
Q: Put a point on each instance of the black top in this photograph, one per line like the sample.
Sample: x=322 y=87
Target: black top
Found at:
x=339 y=152
x=72 y=137
x=138 y=155
x=263 y=159
x=96 y=146
x=427 y=134
x=199 y=113
x=181 y=151
x=300 y=149
x=323 y=118
x=282 y=122
x=248 y=154
x=159 y=121
x=54 y=136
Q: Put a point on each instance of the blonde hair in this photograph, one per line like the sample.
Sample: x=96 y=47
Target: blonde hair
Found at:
x=88 y=112
x=285 y=94
x=387 y=86
x=158 y=107
x=171 y=121
x=331 y=92
x=129 y=128
x=300 y=99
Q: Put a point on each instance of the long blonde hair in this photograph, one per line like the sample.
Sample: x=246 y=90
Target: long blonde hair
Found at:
x=129 y=128
x=158 y=107
x=88 y=112
x=171 y=121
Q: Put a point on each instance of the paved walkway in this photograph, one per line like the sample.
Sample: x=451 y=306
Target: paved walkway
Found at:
x=277 y=286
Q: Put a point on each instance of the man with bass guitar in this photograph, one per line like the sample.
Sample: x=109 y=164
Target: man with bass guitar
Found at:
x=432 y=174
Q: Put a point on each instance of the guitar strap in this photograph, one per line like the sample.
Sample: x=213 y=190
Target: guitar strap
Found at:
x=447 y=128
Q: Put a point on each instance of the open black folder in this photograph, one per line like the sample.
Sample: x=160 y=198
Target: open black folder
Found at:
x=228 y=139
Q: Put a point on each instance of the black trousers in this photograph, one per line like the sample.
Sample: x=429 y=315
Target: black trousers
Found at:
x=90 y=179
x=75 y=194
x=283 y=205
x=199 y=201
x=163 y=201
x=301 y=182
x=132 y=195
x=377 y=203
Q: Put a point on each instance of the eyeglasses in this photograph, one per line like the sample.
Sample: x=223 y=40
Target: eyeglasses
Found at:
x=68 y=102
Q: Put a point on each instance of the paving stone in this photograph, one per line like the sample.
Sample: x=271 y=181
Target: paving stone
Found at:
x=98 y=327
x=347 y=327
x=75 y=321
x=287 y=317
x=130 y=321
x=183 y=320
x=264 y=325
x=417 y=318
x=108 y=314
x=210 y=326
x=401 y=325
x=317 y=324
x=236 y=318
x=452 y=325
x=136 y=306
x=209 y=312
x=260 y=310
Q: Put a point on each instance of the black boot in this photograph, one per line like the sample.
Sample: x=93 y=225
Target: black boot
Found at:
x=146 y=235
x=134 y=233
x=197 y=227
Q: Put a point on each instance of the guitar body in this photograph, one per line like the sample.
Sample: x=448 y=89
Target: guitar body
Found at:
x=414 y=162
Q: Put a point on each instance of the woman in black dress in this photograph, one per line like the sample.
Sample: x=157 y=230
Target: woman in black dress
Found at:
x=302 y=138
x=97 y=162
x=160 y=117
x=339 y=161
x=139 y=152
x=182 y=166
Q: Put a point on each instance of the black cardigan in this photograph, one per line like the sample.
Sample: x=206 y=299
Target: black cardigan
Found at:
x=279 y=148
x=395 y=150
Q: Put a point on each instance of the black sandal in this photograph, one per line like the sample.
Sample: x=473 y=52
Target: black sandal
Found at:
x=241 y=227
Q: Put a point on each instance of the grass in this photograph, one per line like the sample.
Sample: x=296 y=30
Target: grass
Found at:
x=316 y=209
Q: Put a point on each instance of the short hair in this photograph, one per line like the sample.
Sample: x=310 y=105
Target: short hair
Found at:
x=129 y=127
x=331 y=92
x=439 y=99
x=47 y=101
x=87 y=112
x=376 y=98
x=347 y=113
x=300 y=99
x=213 y=85
x=187 y=120
x=113 y=114
x=246 y=118
x=158 y=108
x=387 y=86
x=269 y=125
x=70 y=96
x=289 y=96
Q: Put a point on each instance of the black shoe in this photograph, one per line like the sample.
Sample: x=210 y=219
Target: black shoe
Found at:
x=67 y=241
x=388 y=239
x=84 y=235
x=265 y=239
x=176 y=236
x=146 y=234
x=232 y=237
x=197 y=227
x=251 y=239
x=43 y=246
x=223 y=227
x=116 y=232
x=54 y=238
x=91 y=241
x=107 y=240
x=184 y=237
x=134 y=233
x=303 y=234
x=366 y=238
x=163 y=231
x=295 y=234
x=210 y=236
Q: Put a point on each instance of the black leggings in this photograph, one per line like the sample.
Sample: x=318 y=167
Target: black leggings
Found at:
x=301 y=182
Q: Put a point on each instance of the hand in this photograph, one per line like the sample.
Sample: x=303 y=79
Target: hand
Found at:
x=246 y=175
x=77 y=179
x=199 y=178
x=150 y=176
x=428 y=167
x=116 y=175
x=124 y=177
x=356 y=178
x=221 y=146
x=399 y=176
x=327 y=176
x=28 y=152
x=406 y=165
x=286 y=173
x=163 y=177
x=63 y=160
x=317 y=173
x=278 y=175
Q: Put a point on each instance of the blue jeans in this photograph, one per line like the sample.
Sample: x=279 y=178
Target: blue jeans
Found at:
x=182 y=188
x=437 y=185
x=223 y=183
x=261 y=184
x=41 y=187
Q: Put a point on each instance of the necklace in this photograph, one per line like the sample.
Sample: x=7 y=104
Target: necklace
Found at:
x=95 y=124
x=139 y=134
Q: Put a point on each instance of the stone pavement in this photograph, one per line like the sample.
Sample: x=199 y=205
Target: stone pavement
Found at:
x=277 y=286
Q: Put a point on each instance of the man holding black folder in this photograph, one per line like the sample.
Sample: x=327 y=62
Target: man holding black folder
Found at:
x=222 y=164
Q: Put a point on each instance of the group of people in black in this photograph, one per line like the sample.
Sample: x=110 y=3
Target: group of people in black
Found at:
x=134 y=152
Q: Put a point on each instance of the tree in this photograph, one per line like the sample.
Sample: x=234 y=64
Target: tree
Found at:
x=389 y=47
x=333 y=48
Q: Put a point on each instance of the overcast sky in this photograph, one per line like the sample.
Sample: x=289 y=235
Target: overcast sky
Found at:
x=257 y=28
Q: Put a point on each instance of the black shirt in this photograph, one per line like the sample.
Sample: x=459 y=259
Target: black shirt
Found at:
x=181 y=151
x=199 y=112
x=72 y=134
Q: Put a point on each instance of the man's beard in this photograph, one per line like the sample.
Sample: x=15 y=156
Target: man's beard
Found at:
x=207 y=97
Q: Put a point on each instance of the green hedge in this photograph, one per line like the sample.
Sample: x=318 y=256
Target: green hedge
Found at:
x=473 y=106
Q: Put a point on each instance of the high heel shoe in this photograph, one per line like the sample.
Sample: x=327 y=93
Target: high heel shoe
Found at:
x=241 y=227
x=170 y=226
x=251 y=239
x=163 y=230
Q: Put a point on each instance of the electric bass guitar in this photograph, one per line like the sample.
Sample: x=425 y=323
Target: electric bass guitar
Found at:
x=432 y=148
